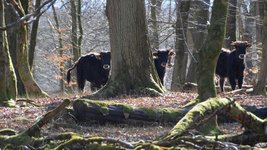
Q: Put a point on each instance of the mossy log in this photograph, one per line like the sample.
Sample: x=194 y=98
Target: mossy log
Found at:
x=9 y=137
x=87 y=110
x=210 y=107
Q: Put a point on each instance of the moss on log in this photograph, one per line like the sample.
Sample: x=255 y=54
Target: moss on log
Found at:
x=206 y=109
x=87 y=110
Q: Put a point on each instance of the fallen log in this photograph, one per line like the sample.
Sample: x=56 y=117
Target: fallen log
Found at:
x=88 y=110
x=203 y=110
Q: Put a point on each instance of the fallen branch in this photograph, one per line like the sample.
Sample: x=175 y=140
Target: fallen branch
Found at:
x=203 y=110
x=26 y=137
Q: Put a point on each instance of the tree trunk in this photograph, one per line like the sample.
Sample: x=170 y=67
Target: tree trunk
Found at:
x=230 y=34
x=60 y=51
x=34 y=35
x=133 y=71
x=32 y=89
x=13 y=38
x=74 y=29
x=155 y=28
x=209 y=53
x=208 y=56
x=79 y=15
x=180 y=63
x=259 y=88
x=8 y=82
x=196 y=33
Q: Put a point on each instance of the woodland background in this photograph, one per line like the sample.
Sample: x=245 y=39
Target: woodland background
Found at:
x=43 y=38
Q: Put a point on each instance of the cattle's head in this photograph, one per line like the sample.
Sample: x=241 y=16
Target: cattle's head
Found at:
x=164 y=57
x=105 y=58
x=241 y=47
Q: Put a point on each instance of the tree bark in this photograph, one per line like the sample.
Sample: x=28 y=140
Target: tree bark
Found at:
x=133 y=71
x=155 y=34
x=180 y=63
x=33 y=36
x=209 y=53
x=31 y=87
x=74 y=29
x=196 y=34
x=8 y=81
x=208 y=56
x=230 y=34
x=13 y=38
x=60 y=50
x=259 y=88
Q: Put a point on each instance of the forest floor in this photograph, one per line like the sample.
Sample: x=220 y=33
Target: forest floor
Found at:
x=25 y=114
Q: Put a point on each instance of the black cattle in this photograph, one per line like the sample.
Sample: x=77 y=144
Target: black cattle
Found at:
x=162 y=59
x=231 y=64
x=93 y=67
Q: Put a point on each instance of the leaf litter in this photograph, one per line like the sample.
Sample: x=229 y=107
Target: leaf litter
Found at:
x=24 y=115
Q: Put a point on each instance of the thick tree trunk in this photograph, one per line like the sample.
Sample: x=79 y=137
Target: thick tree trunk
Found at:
x=180 y=64
x=13 y=38
x=31 y=88
x=208 y=55
x=8 y=82
x=133 y=71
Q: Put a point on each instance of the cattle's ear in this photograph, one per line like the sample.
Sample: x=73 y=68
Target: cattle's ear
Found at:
x=172 y=53
x=97 y=56
x=233 y=43
x=248 y=44
x=155 y=55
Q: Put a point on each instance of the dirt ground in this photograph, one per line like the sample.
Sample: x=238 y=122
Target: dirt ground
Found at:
x=25 y=114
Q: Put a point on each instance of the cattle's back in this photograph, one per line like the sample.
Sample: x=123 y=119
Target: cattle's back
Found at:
x=222 y=62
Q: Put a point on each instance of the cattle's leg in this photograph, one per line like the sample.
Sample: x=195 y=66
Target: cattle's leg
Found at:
x=232 y=82
x=94 y=87
x=240 y=82
x=222 y=83
x=80 y=82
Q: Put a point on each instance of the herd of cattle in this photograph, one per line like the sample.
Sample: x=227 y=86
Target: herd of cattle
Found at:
x=95 y=67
